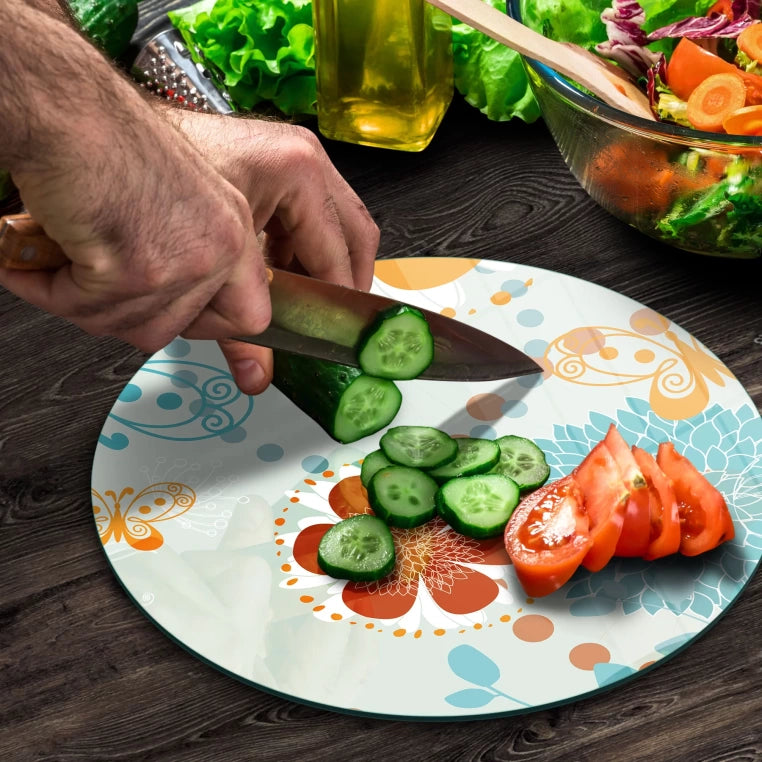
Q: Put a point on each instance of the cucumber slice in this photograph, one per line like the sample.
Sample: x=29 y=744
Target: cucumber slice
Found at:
x=398 y=345
x=478 y=506
x=523 y=461
x=402 y=496
x=475 y=456
x=360 y=548
x=345 y=402
x=372 y=462
x=418 y=446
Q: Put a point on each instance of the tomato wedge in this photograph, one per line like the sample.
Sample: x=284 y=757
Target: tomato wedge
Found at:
x=705 y=521
x=547 y=536
x=664 y=516
x=636 y=529
x=605 y=498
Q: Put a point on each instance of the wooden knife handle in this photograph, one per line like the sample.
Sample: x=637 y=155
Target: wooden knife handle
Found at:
x=25 y=246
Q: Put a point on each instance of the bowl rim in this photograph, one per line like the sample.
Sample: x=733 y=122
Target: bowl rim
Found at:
x=602 y=110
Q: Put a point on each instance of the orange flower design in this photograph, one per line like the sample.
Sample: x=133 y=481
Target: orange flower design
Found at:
x=440 y=575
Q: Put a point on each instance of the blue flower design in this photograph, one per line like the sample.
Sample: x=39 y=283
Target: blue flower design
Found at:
x=726 y=446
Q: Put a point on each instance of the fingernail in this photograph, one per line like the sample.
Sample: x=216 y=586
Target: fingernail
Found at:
x=249 y=375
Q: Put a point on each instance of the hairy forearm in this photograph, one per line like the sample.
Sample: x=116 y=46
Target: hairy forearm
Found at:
x=60 y=96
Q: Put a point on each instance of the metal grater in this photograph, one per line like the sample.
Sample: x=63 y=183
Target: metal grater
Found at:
x=165 y=66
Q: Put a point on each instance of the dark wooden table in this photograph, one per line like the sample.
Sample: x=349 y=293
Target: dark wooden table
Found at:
x=85 y=676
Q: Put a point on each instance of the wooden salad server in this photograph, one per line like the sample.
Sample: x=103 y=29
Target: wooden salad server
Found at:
x=609 y=82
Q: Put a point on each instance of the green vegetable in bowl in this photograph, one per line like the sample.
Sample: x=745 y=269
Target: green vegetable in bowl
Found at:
x=262 y=50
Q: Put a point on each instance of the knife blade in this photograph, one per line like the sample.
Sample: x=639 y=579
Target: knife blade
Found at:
x=314 y=317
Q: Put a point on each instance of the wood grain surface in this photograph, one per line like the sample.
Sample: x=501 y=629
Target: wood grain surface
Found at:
x=85 y=676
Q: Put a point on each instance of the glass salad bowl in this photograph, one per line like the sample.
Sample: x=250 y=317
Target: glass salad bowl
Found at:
x=697 y=191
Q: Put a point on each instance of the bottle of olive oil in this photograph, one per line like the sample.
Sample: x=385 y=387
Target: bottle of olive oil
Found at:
x=384 y=71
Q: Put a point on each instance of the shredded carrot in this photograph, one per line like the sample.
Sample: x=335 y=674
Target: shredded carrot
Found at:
x=715 y=98
x=744 y=121
x=750 y=41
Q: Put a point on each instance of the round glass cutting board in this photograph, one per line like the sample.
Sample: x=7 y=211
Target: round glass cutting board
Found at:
x=210 y=505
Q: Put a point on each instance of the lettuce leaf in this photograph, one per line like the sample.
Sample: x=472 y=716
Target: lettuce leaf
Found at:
x=260 y=50
x=490 y=76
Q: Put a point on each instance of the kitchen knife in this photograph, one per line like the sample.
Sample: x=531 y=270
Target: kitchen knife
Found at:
x=315 y=318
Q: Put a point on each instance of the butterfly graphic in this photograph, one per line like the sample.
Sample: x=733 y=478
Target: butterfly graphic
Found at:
x=679 y=371
x=133 y=519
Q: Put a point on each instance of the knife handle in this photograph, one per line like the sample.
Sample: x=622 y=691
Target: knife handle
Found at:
x=24 y=245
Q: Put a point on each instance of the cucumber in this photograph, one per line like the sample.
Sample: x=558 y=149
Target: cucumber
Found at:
x=110 y=24
x=475 y=456
x=344 y=401
x=523 y=461
x=402 y=496
x=372 y=462
x=418 y=446
x=398 y=345
x=359 y=548
x=478 y=506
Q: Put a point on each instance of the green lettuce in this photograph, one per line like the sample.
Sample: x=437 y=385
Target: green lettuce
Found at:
x=490 y=76
x=260 y=50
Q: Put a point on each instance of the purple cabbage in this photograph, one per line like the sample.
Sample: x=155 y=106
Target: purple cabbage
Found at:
x=627 y=41
x=743 y=13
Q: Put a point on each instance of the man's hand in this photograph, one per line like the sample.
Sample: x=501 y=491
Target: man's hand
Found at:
x=165 y=233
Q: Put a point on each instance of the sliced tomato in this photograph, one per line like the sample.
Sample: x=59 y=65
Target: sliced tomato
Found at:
x=705 y=521
x=605 y=498
x=664 y=516
x=548 y=536
x=636 y=529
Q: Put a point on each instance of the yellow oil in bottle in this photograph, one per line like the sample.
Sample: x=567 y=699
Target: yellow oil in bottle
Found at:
x=384 y=71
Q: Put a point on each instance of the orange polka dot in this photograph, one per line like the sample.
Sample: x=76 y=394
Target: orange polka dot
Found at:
x=328 y=474
x=369 y=626
x=292 y=581
x=278 y=553
x=587 y=655
x=644 y=356
x=530 y=601
x=477 y=626
x=485 y=407
x=286 y=567
x=529 y=282
x=447 y=312
x=160 y=501
x=285 y=510
x=505 y=618
x=306 y=599
x=608 y=353
x=461 y=631
x=500 y=297
x=584 y=341
x=144 y=509
x=647 y=664
x=294 y=499
x=318 y=608
x=96 y=509
x=336 y=617
x=472 y=311
x=648 y=323
x=439 y=633
x=533 y=628
x=399 y=633
x=279 y=541
x=280 y=522
x=353 y=623
x=311 y=482
x=418 y=633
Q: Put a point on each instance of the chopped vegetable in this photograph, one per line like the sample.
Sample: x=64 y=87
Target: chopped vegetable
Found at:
x=478 y=506
x=744 y=121
x=714 y=100
x=750 y=41
x=705 y=520
x=398 y=345
x=475 y=456
x=402 y=496
x=360 y=548
x=548 y=536
x=418 y=446
x=523 y=461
